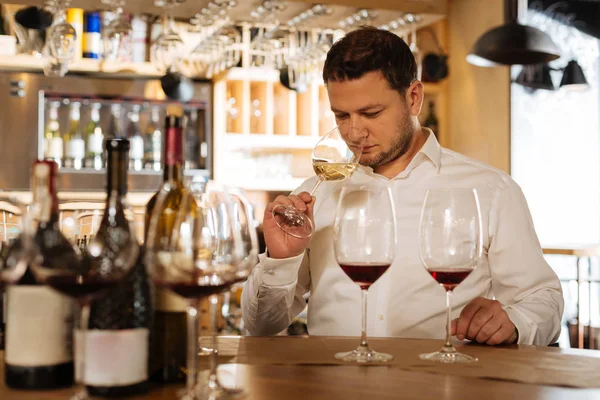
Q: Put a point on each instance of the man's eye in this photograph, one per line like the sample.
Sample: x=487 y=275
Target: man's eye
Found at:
x=341 y=116
x=372 y=115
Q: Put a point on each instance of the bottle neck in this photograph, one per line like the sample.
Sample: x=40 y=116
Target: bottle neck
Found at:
x=173 y=154
x=116 y=165
x=44 y=193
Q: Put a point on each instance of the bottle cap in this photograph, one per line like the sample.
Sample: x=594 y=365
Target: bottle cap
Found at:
x=117 y=144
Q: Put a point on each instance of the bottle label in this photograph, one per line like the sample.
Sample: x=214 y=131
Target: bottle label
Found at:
x=113 y=357
x=54 y=148
x=136 y=151
x=174 y=147
x=39 y=325
x=92 y=42
x=95 y=141
x=76 y=148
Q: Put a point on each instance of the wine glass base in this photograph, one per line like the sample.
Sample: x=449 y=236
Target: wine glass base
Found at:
x=364 y=356
x=293 y=222
x=448 y=357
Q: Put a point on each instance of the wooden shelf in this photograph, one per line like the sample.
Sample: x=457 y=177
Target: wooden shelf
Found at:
x=26 y=62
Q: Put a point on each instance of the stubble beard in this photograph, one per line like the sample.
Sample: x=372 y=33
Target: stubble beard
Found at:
x=401 y=144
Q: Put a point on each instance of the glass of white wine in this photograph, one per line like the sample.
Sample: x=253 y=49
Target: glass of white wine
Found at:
x=334 y=158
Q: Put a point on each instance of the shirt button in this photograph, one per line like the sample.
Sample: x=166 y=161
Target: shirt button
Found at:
x=380 y=316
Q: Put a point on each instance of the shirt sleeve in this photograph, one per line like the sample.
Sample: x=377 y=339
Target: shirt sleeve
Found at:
x=274 y=294
x=522 y=280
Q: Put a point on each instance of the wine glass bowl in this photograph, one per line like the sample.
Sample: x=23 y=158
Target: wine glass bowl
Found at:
x=364 y=237
x=335 y=157
x=450 y=246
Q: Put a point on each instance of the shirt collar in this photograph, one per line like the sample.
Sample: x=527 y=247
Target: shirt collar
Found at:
x=431 y=150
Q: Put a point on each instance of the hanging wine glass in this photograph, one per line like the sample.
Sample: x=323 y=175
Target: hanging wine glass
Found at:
x=167 y=49
x=117 y=34
x=59 y=49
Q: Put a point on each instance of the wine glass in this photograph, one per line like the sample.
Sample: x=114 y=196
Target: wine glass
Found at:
x=364 y=241
x=168 y=46
x=16 y=246
x=450 y=246
x=201 y=257
x=334 y=158
x=84 y=276
x=117 y=33
x=243 y=222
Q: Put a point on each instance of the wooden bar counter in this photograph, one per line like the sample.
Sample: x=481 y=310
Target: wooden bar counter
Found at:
x=304 y=368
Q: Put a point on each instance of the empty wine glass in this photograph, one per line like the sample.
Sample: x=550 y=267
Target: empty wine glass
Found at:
x=167 y=49
x=117 y=34
x=202 y=257
x=364 y=240
x=334 y=158
x=450 y=246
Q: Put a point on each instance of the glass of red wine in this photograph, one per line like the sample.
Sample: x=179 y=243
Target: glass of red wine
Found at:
x=364 y=240
x=450 y=246
x=203 y=256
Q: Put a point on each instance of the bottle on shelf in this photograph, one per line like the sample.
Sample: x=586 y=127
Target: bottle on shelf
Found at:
x=53 y=141
x=115 y=128
x=170 y=327
x=432 y=121
x=118 y=339
x=92 y=39
x=136 y=153
x=192 y=141
x=39 y=320
x=94 y=138
x=75 y=18
x=153 y=141
x=73 y=140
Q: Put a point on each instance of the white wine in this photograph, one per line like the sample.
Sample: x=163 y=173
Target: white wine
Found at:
x=328 y=171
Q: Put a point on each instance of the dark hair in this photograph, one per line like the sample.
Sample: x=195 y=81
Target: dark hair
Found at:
x=369 y=49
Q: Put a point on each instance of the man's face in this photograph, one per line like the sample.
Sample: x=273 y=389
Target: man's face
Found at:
x=369 y=104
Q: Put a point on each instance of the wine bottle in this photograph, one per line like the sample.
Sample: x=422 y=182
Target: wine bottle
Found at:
x=74 y=143
x=94 y=139
x=39 y=321
x=153 y=141
x=170 y=327
x=118 y=339
x=53 y=141
x=136 y=154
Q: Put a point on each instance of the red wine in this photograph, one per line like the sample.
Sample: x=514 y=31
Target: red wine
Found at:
x=365 y=274
x=193 y=291
x=450 y=278
x=79 y=287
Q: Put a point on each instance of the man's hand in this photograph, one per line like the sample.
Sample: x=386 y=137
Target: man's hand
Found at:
x=279 y=243
x=484 y=321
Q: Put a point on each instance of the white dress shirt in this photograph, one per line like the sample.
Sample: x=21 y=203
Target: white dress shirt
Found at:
x=406 y=301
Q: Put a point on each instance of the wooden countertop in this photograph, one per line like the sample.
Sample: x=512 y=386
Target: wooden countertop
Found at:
x=303 y=368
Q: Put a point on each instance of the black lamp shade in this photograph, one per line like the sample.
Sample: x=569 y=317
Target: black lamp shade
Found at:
x=536 y=77
x=573 y=77
x=513 y=44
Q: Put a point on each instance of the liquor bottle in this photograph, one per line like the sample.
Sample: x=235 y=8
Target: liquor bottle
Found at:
x=136 y=153
x=192 y=142
x=94 y=138
x=39 y=321
x=118 y=339
x=73 y=140
x=53 y=142
x=115 y=128
x=431 y=121
x=169 y=350
x=153 y=141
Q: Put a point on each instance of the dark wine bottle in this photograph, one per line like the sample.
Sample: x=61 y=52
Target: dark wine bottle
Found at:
x=170 y=327
x=39 y=320
x=118 y=339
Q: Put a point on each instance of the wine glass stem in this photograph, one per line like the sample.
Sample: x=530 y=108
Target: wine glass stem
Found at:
x=212 y=379
x=363 y=337
x=448 y=346
x=84 y=320
x=317 y=183
x=192 y=347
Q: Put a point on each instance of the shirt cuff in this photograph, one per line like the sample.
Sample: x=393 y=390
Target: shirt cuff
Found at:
x=520 y=323
x=281 y=271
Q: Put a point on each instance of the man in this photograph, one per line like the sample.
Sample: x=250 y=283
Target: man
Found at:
x=513 y=296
